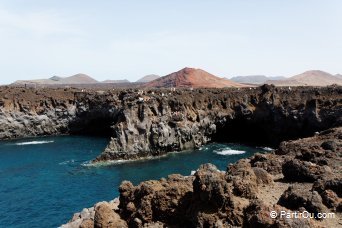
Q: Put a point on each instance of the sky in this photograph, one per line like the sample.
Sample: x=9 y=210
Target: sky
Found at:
x=129 y=39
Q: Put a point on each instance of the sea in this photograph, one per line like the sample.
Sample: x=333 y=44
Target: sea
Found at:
x=44 y=181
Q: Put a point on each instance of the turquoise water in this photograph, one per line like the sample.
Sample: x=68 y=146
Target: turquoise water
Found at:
x=43 y=181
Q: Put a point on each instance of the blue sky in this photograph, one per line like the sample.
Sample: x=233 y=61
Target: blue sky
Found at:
x=129 y=39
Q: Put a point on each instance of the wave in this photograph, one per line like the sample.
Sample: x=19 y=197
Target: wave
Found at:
x=267 y=148
x=33 y=143
x=67 y=162
x=229 y=152
x=193 y=172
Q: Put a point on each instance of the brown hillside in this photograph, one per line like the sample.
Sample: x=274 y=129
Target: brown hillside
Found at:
x=192 y=78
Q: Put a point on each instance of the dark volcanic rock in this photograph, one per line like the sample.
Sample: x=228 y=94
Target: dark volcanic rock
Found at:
x=152 y=122
x=155 y=200
x=301 y=171
x=211 y=187
x=296 y=197
x=106 y=217
x=244 y=195
x=257 y=215
x=331 y=192
x=269 y=162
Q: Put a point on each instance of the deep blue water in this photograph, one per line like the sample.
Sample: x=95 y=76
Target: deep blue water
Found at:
x=43 y=181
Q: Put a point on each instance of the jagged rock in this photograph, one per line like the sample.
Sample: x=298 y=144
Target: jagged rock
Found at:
x=87 y=223
x=269 y=162
x=257 y=215
x=331 y=192
x=106 y=217
x=330 y=145
x=331 y=200
x=301 y=171
x=333 y=184
x=296 y=197
x=210 y=186
x=153 y=201
x=244 y=179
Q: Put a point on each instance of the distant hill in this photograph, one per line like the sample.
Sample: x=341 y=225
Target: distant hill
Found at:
x=338 y=76
x=308 y=78
x=75 y=79
x=56 y=78
x=36 y=81
x=255 y=79
x=116 y=81
x=192 y=78
x=78 y=79
x=148 y=78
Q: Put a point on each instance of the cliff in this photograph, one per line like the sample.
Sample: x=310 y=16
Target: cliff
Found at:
x=152 y=122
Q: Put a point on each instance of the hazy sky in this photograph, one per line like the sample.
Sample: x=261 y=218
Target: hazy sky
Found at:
x=129 y=39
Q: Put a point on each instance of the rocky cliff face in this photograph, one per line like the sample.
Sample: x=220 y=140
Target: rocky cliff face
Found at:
x=302 y=176
x=29 y=112
x=143 y=123
x=156 y=122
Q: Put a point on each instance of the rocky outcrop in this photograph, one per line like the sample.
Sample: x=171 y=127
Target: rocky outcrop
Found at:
x=101 y=214
x=152 y=122
x=247 y=193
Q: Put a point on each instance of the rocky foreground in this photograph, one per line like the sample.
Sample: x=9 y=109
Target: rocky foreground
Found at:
x=301 y=175
x=152 y=122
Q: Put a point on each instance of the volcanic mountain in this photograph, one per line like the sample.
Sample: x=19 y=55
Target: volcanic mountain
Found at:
x=148 y=78
x=192 y=78
x=309 y=78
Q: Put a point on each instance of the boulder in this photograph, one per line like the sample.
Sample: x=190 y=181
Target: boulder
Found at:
x=153 y=201
x=298 y=196
x=105 y=217
x=244 y=179
x=300 y=171
x=87 y=223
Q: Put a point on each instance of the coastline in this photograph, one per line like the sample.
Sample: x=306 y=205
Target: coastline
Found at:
x=243 y=196
x=150 y=122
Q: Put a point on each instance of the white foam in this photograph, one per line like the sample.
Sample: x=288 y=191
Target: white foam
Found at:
x=67 y=162
x=229 y=152
x=33 y=143
x=267 y=148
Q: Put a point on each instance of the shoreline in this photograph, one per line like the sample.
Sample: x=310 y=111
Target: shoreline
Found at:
x=265 y=182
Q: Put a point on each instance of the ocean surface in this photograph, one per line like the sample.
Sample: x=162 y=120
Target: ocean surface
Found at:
x=43 y=181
